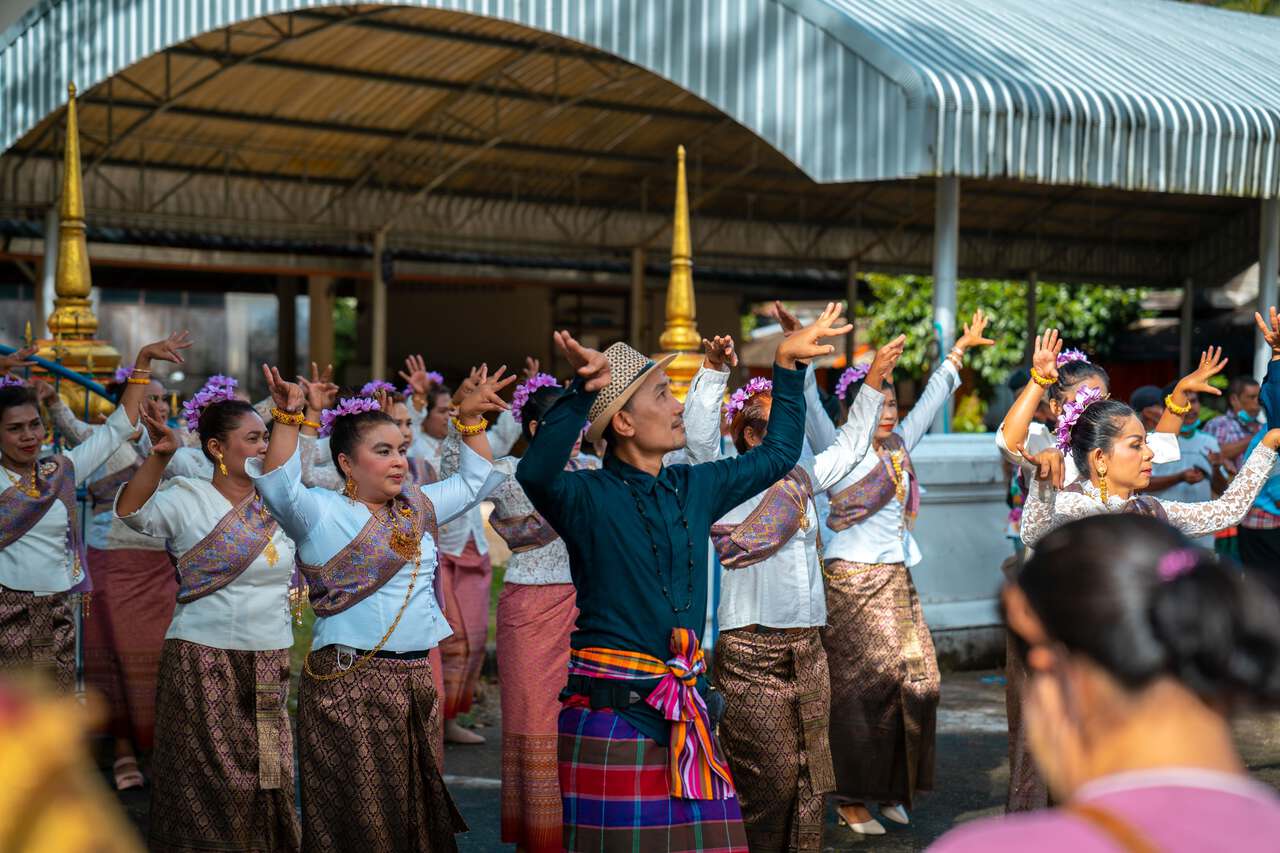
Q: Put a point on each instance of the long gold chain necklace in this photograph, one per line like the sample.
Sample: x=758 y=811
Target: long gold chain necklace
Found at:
x=270 y=552
x=31 y=491
x=899 y=478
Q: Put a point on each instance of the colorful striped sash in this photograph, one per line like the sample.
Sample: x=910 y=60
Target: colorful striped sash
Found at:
x=696 y=770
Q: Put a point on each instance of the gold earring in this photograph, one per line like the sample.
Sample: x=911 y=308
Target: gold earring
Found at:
x=350 y=489
x=222 y=466
x=1102 y=483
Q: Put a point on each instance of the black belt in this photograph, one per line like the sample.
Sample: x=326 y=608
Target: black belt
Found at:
x=384 y=655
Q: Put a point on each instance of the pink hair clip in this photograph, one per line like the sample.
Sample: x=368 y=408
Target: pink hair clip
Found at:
x=1177 y=563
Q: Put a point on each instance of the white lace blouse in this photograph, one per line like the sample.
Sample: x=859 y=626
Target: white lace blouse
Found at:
x=1047 y=508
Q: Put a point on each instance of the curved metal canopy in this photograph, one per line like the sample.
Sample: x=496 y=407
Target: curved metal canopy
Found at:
x=1143 y=95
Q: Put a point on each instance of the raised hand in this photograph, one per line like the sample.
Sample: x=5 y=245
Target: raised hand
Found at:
x=1272 y=439
x=1045 y=356
x=532 y=367
x=170 y=349
x=1049 y=464
x=886 y=358
x=45 y=392
x=1270 y=330
x=590 y=364
x=164 y=441
x=319 y=391
x=415 y=374
x=17 y=359
x=288 y=396
x=720 y=350
x=469 y=385
x=790 y=325
x=804 y=344
x=973 y=332
x=1211 y=364
x=484 y=396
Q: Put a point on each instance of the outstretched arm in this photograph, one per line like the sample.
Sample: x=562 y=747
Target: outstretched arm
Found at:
x=1044 y=372
x=143 y=484
x=1201 y=519
x=289 y=398
x=1211 y=364
x=704 y=399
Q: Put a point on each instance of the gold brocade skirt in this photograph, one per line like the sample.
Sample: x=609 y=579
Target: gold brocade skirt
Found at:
x=884 y=683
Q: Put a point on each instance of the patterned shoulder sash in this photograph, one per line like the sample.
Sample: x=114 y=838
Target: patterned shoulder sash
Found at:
x=227 y=550
x=102 y=493
x=20 y=510
x=1137 y=505
x=530 y=531
x=371 y=559
x=874 y=491
x=780 y=514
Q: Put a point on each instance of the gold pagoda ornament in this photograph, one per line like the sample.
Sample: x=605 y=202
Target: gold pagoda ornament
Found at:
x=72 y=325
x=680 y=335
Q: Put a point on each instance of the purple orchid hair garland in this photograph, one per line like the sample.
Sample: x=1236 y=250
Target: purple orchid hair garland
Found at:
x=1071 y=412
x=1070 y=355
x=371 y=388
x=217 y=389
x=123 y=372
x=738 y=400
x=856 y=373
x=526 y=389
x=435 y=377
x=8 y=380
x=1177 y=563
x=346 y=406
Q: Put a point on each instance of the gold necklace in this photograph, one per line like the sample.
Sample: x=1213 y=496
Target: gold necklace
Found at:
x=32 y=491
x=403 y=543
x=270 y=552
x=801 y=503
x=899 y=479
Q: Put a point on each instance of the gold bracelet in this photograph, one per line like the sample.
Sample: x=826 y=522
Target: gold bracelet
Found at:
x=956 y=358
x=473 y=429
x=311 y=424
x=139 y=380
x=280 y=416
x=1174 y=407
x=1042 y=381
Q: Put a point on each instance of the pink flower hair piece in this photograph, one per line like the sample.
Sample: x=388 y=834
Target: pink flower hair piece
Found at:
x=1070 y=355
x=346 y=406
x=217 y=389
x=526 y=389
x=1177 y=563
x=1071 y=412
x=371 y=388
x=123 y=372
x=8 y=380
x=435 y=377
x=738 y=400
x=856 y=373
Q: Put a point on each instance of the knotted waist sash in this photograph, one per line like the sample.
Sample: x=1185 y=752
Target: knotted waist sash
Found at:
x=696 y=770
x=19 y=511
x=874 y=491
x=368 y=561
x=778 y=517
x=226 y=550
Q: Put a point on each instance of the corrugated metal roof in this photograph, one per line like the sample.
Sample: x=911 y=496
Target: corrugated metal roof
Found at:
x=1143 y=95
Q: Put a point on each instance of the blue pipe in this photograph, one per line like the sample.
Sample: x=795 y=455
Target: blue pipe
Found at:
x=66 y=373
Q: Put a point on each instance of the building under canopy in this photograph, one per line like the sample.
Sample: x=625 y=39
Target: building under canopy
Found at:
x=530 y=142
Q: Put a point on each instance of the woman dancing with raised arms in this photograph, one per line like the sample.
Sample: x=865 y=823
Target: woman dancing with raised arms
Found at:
x=223 y=763
x=41 y=552
x=884 y=674
x=367 y=708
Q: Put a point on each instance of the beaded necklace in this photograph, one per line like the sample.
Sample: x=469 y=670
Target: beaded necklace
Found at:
x=657 y=563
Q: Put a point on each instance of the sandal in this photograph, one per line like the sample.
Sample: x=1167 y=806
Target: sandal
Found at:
x=127 y=773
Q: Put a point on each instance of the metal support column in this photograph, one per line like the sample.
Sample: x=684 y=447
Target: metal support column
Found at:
x=1268 y=268
x=946 y=247
x=1186 y=325
x=1033 y=321
x=378 y=305
x=638 y=304
x=851 y=304
x=320 y=337
x=287 y=325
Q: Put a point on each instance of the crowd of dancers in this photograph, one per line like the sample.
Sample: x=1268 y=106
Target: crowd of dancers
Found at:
x=620 y=729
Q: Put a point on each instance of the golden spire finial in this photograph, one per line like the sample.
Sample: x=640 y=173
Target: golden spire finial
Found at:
x=72 y=315
x=681 y=331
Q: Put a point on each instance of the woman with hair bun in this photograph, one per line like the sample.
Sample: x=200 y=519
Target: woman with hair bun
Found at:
x=536 y=614
x=1108 y=444
x=1139 y=647
x=223 y=764
x=367 y=707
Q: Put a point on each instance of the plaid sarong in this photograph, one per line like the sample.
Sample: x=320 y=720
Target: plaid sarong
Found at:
x=698 y=771
x=1260 y=519
x=613 y=787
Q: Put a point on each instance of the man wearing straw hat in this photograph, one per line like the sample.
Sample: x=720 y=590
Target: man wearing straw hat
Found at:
x=639 y=764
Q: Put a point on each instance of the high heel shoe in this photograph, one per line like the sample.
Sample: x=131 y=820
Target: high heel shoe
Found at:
x=866 y=827
x=895 y=813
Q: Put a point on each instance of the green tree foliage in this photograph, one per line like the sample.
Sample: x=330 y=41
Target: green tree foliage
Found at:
x=1089 y=316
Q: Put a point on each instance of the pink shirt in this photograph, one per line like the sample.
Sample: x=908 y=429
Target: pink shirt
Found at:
x=1174 y=810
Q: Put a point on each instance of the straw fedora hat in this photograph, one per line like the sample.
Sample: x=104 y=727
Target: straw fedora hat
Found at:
x=627 y=371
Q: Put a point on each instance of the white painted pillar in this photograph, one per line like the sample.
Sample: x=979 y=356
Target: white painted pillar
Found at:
x=1185 y=326
x=1268 y=268
x=946 y=252
x=378 y=305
